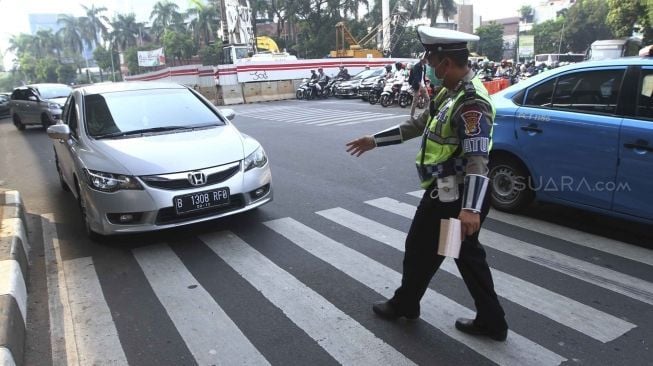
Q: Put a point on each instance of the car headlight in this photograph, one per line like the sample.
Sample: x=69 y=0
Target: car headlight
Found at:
x=108 y=182
x=257 y=159
x=54 y=106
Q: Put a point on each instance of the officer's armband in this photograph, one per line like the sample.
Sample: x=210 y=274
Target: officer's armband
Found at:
x=474 y=192
x=391 y=136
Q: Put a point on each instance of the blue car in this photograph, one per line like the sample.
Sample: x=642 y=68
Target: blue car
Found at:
x=579 y=135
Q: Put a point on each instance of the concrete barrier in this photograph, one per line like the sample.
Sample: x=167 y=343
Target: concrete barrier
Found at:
x=252 y=92
x=286 y=89
x=269 y=91
x=14 y=262
x=229 y=94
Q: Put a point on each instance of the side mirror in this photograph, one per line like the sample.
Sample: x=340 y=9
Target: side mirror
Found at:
x=33 y=98
x=229 y=113
x=59 y=132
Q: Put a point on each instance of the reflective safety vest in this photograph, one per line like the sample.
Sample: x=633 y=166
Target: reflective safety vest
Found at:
x=440 y=142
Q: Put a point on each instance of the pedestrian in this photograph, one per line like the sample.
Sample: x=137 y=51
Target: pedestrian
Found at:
x=418 y=84
x=456 y=135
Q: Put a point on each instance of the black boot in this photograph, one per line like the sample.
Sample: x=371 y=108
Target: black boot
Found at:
x=388 y=311
x=468 y=326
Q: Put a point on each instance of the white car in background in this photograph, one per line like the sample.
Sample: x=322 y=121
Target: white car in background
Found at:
x=145 y=156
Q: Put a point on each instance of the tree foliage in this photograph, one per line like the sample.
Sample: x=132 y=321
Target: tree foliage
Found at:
x=585 y=23
x=178 y=45
x=626 y=16
x=548 y=35
x=490 y=43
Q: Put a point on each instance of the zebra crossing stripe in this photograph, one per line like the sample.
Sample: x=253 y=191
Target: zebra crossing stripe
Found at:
x=95 y=332
x=375 y=119
x=211 y=336
x=342 y=337
x=62 y=331
x=596 y=242
x=626 y=285
x=585 y=319
x=437 y=309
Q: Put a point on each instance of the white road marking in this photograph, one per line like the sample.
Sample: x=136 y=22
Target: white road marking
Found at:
x=573 y=314
x=95 y=332
x=375 y=119
x=211 y=336
x=626 y=285
x=437 y=310
x=341 y=336
x=62 y=331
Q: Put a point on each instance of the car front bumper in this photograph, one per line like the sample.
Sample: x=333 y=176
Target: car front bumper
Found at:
x=152 y=208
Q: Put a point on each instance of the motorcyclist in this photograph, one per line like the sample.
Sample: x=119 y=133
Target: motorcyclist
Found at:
x=314 y=76
x=322 y=80
x=343 y=74
x=400 y=73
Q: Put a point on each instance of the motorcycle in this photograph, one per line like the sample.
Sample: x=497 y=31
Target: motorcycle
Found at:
x=375 y=92
x=330 y=88
x=302 y=90
x=406 y=96
x=390 y=93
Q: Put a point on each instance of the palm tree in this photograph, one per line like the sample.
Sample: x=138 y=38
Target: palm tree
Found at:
x=125 y=31
x=164 y=14
x=48 y=43
x=22 y=44
x=433 y=8
x=71 y=32
x=95 y=22
x=204 y=23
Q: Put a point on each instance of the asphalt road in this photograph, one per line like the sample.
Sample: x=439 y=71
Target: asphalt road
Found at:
x=292 y=283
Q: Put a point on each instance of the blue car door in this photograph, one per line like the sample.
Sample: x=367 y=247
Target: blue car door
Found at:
x=569 y=134
x=633 y=194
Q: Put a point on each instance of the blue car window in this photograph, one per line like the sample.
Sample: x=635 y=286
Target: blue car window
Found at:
x=589 y=91
x=645 y=95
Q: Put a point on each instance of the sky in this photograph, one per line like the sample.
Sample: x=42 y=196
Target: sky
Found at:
x=14 y=14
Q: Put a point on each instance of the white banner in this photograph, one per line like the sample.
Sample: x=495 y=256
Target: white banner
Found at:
x=151 y=58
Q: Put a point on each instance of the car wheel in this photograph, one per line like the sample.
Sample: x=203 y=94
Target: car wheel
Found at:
x=45 y=121
x=18 y=123
x=82 y=210
x=62 y=182
x=510 y=186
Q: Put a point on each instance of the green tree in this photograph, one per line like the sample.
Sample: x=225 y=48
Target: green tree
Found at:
x=490 y=43
x=210 y=54
x=22 y=44
x=178 y=45
x=27 y=65
x=163 y=15
x=94 y=23
x=526 y=13
x=204 y=23
x=626 y=16
x=71 y=33
x=47 y=44
x=585 y=23
x=548 y=35
x=65 y=74
x=46 y=70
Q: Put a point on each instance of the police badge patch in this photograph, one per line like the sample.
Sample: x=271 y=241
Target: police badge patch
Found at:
x=472 y=121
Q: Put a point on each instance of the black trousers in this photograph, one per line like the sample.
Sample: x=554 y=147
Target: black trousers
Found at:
x=421 y=261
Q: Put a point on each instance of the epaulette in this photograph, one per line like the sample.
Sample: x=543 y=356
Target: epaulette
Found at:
x=470 y=90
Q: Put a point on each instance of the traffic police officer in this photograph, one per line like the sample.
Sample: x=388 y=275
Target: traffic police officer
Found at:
x=456 y=134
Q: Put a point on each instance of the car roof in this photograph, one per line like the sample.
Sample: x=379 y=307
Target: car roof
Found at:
x=127 y=86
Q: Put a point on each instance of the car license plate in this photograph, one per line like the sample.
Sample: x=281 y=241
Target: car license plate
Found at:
x=201 y=200
x=364 y=93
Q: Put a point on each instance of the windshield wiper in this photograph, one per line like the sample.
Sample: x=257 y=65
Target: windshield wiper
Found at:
x=142 y=131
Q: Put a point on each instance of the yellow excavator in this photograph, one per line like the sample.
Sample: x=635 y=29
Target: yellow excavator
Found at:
x=355 y=50
x=266 y=44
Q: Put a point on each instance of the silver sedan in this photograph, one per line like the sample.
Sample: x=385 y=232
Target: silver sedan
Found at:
x=146 y=156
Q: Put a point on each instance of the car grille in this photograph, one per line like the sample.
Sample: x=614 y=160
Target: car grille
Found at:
x=168 y=215
x=180 y=181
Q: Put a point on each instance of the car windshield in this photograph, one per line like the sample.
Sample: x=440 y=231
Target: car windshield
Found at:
x=363 y=74
x=54 y=91
x=120 y=113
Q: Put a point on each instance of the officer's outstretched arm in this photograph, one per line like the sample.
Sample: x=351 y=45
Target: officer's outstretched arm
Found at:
x=403 y=132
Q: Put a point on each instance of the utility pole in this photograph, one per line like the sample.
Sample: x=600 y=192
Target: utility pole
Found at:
x=385 y=23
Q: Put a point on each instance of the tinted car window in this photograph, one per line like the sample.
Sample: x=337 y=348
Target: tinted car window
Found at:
x=18 y=94
x=645 y=95
x=72 y=120
x=540 y=96
x=588 y=91
x=144 y=109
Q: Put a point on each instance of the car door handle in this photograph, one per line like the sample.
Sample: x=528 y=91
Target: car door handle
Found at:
x=531 y=128
x=639 y=145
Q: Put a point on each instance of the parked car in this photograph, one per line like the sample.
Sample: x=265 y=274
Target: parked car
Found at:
x=144 y=156
x=350 y=87
x=38 y=104
x=4 y=104
x=579 y=135
x=369 y=82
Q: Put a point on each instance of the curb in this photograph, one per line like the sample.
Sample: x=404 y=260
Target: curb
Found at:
x=14 y=263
